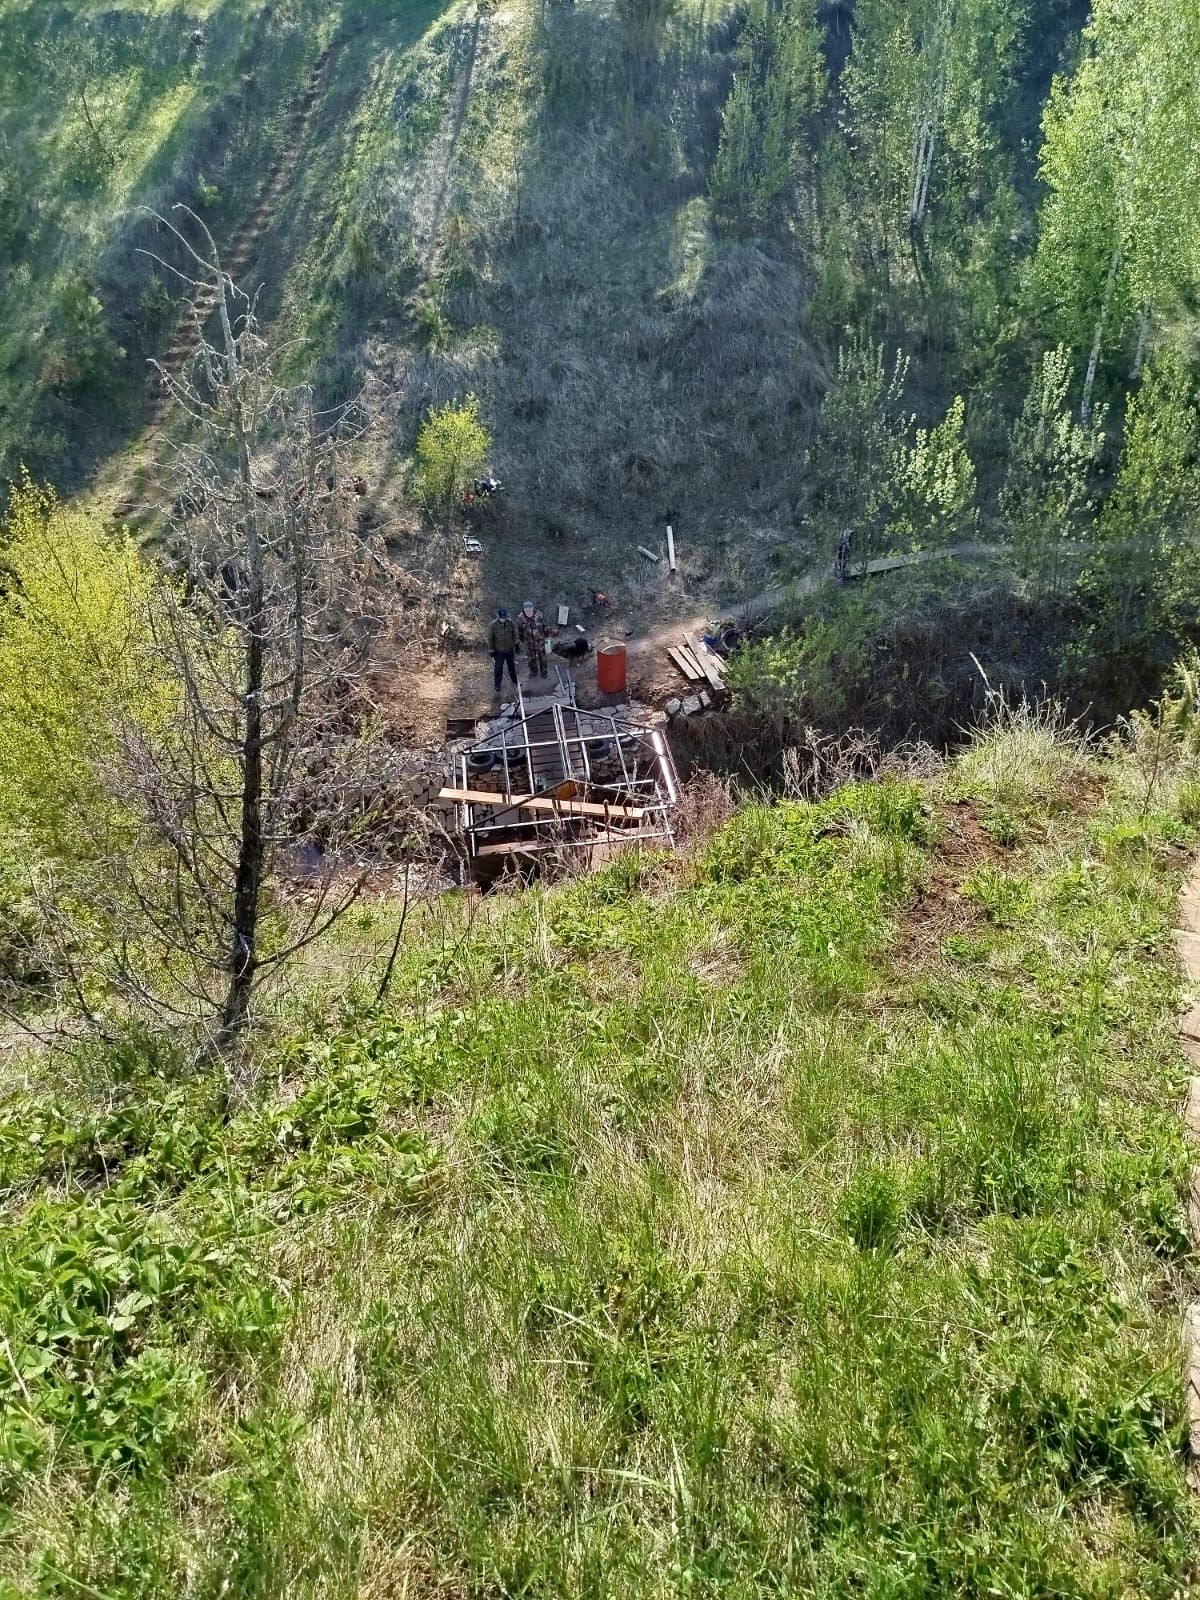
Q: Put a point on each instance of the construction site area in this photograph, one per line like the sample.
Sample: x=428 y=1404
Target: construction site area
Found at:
x=548 y=778
x=573 y=767
x=576 y=766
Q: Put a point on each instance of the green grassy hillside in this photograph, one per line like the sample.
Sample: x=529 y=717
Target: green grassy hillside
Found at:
x=105 y=110
x=800 y=1216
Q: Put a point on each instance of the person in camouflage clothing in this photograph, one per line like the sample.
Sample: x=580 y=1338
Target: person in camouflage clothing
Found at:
x=531 y=627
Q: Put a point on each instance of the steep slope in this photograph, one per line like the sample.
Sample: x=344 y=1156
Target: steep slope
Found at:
x=106 y=111
x=804 y=1216
x=525 y=214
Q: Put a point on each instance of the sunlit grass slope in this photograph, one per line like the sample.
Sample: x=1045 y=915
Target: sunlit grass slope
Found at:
x=801 y=1217
x=105 y=110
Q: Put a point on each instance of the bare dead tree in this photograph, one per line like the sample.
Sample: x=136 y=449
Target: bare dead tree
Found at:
x=273 y=764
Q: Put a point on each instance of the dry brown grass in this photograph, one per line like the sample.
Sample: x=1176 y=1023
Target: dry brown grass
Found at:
x=633 y=367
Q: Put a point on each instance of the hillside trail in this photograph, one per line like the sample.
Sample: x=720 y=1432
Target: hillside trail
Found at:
x=464 y=688
x=433 y=200
x=143 y=459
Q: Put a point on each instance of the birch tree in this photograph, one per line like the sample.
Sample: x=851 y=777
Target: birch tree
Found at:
x=922 y=77
x=1119 y=243
x=1047 y=497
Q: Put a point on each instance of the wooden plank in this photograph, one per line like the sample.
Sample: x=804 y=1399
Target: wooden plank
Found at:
x=863 y=569
x=704 y=662
x=564 y=613
x=691 y=661
x=649 y=554
x=529 y=847
x=685 y=664
x=708 y=657
x=539 y=803
x=671 y=547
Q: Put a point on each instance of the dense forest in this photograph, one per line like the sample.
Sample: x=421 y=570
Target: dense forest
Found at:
x=797 y=1211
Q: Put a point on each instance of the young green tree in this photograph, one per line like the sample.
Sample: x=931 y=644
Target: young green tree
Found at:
x=452 y=444
x=934 y=485
x=1119 y=241
x=921 y=80
x=778 y=86
x=1141 y=577
x=1047 y=494
x=83 y=351
x=860 y=444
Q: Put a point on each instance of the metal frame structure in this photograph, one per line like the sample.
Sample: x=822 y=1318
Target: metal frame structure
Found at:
x=562 y=779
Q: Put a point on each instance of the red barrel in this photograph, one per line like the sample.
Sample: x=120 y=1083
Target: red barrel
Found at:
x=610 y=668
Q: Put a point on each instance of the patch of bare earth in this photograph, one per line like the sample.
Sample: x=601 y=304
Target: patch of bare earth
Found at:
x=940 y=909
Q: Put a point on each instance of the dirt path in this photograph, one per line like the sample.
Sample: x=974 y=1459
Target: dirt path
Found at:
x=464 y=688
x=201 y=306
x=429 y=215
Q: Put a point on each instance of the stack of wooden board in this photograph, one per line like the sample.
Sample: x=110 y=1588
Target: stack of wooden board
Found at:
x=700 y=664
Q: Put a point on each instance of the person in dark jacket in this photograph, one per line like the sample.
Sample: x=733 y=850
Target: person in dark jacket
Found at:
x=502 y=642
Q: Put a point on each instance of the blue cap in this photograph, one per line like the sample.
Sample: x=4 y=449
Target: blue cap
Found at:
x=501 y=612
x=528 y=603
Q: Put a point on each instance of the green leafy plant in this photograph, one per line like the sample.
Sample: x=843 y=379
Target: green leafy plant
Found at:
x=779 y=84
x=1047 y=494
x=84 y=352
x=935 y=485
x=452 y=444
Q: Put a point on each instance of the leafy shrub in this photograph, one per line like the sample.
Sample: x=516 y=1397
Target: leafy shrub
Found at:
x=451 y=445
x=434 y=330
x=207 y=194
x=76 y=664
x=84 y=352
x=155 y=303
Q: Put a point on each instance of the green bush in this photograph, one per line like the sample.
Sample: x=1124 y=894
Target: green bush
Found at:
x=84 y=352
x=451 y=446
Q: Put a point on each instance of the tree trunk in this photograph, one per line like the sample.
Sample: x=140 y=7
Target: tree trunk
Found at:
x=243 y=955
x=1089 y=382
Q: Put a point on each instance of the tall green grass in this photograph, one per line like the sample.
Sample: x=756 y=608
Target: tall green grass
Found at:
x=802 y=1217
